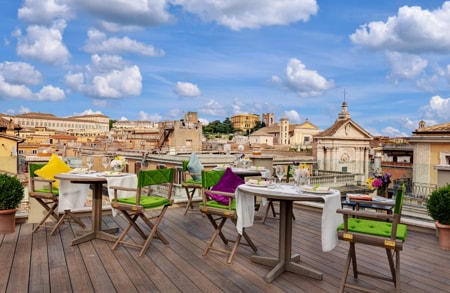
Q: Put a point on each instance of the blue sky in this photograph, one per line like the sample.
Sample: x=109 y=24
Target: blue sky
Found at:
x=156 y=59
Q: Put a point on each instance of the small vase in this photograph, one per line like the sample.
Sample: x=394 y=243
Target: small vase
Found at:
x=382 y=192
x=117 y=168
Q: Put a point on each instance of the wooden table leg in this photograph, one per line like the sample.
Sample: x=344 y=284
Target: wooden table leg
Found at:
x=96 y=229
x=285 y=261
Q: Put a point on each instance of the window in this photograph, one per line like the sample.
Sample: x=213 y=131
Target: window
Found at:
x=34 y=152
x=344 y=169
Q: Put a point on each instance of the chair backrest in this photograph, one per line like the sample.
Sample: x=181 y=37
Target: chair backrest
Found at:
x=399 y=199
x=185 y=164
x=34 y=167
x=211 y=178
x=157 y=176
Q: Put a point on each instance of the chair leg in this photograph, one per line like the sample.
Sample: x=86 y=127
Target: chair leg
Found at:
x=214 y=224
x=269 y=207
x=154 y=231
x=67 y=213
x=190 y=196
x=235 y=247
x=51 y=211
x=217 y=232
x=346 y=268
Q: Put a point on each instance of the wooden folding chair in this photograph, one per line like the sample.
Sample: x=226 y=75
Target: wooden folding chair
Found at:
x=48 y=197
x=374 y=229
x=190 y=185
x=158 y=185
x=218 y=214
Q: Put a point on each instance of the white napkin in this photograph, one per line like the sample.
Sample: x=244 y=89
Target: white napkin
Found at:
x=245 y=208
x=72 y=196
x=123 y=181
x=330 y=221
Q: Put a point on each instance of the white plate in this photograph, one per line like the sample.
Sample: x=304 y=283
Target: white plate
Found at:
x=107 y=174
x=256 y=185
x=315 y=191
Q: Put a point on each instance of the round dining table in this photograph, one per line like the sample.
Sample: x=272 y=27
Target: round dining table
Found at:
x=286 y=195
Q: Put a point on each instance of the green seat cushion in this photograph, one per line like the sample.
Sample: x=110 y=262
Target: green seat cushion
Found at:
x=47 y=190
x=148 y=202
x=193 y=181
x=215 y=204
x=377 y=228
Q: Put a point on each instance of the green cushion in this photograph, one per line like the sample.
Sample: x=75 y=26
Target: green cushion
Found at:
x=192 y=181
x=215 y=204
x=148 y=202
x=47 y=190
x=377 y=228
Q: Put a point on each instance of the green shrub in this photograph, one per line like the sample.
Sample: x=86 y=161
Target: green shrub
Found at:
x=11 y=192
x=438 y=205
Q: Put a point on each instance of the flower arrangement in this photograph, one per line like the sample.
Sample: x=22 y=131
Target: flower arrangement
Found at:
x=300 y=170
x=379 y=181
x=118 y=163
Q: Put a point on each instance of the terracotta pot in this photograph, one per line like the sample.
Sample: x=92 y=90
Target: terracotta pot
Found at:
x=7 y=221
x=444 y=235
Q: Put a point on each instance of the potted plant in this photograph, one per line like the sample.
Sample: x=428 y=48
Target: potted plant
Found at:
x=11 y=193
x=438 y=206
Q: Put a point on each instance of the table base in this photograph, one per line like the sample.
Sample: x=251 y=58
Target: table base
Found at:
x=104 y=234
x=281 y=266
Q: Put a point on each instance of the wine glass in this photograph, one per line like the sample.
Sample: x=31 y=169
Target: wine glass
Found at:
x=105 y=162
x=89 y=162
x=279 y=171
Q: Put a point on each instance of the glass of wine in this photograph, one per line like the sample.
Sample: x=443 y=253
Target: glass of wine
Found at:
x=89 y=162
x=279 y=171
x=105 y=162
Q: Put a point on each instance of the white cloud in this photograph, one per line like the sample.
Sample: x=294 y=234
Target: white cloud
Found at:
x=405 y=66
x=187 y=89
x=412 y=30
x=393 y=132
x=438 y=109
x=19 y=73
x=149 y=117
x=50 y=93
x=292 y=116
x=23 y=110
x=123 y=118
x=44 y=44
x=106 y=77
x=44 y=11
x=14 y=91
x=100 y=103
x=212 y=108
x=124 y=15
x=238 y=14
x=174 y=113
x=98 y=43
x=87 y=112
x=302 y=81
x=203 y=121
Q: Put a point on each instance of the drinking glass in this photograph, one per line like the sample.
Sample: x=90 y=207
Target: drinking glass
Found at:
x=279 y=171
x=105 y=162
x=89 y=162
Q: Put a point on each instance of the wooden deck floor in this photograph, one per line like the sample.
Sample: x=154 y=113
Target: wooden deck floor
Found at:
x=43 y=263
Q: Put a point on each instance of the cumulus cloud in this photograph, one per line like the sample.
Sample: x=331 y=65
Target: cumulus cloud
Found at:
x=149 y=117
x=44 y=11
x=238 y=14
x=124 y=15
x=99 y=43
x=393 y=132
x=187 y=89
x=302 y=81
x=43 y=44
x=212 y=108
x=19 y=73
x=405 y=66
x=15 y=77
x=412 y=30
x=438 y=109
x=106 y=77
x=88 y=112
x=292 y=116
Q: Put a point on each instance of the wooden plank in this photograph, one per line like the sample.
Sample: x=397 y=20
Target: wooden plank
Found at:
x=7 y=256
x=18 y=280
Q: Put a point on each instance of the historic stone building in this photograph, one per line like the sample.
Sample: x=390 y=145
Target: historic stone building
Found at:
x=344 y=146
x=245 y=122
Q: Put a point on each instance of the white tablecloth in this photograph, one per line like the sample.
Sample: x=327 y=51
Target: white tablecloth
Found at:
x=330 y=219
x=73 y=195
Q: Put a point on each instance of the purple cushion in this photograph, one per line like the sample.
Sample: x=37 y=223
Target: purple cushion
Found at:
x=228 y=183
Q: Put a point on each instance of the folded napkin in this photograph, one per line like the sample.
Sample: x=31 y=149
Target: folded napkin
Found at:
x=359 y=197
x=320 y=188
x=245 y=208
x=258 y=182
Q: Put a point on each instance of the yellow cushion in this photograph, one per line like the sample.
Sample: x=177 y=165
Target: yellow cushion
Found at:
x=54 y=166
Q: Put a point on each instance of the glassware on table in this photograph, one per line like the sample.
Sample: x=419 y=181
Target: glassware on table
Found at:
x=279 y=172
x=105 y=162
x=89 y=162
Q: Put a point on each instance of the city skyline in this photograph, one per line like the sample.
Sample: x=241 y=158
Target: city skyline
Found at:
x=155 y=59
